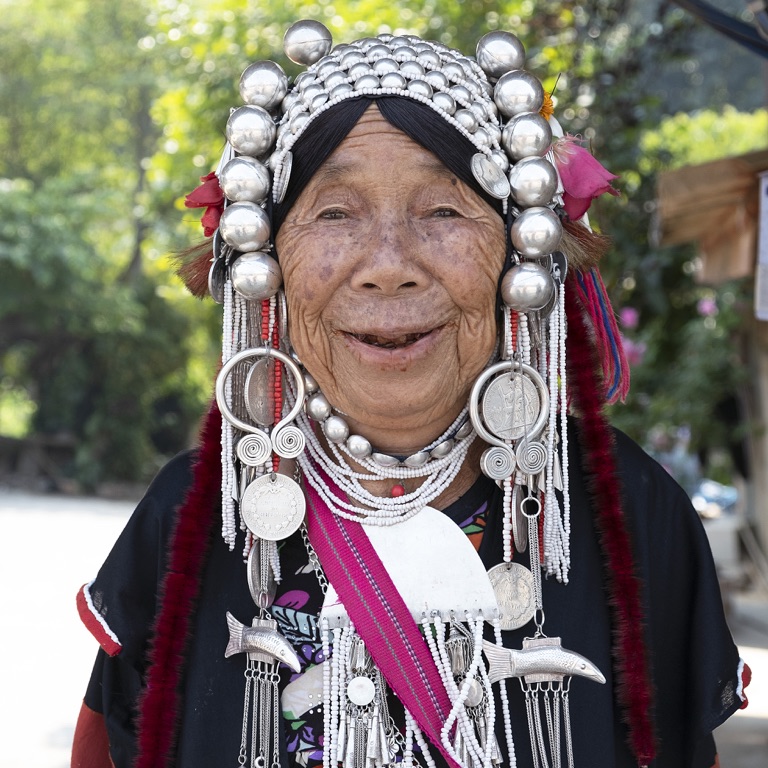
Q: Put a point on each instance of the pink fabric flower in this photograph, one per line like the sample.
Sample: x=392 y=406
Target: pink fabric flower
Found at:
x=584 y=178
x=209 y=196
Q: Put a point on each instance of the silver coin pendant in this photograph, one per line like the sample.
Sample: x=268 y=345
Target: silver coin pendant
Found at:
x=273 y=507
x=513 y=586
x=510 y=406
x=258 y=402
x=361 y=690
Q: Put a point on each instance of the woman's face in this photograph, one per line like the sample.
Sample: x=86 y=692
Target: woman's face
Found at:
x=390 y=266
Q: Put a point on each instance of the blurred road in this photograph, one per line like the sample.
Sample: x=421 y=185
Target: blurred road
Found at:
x=50 y=545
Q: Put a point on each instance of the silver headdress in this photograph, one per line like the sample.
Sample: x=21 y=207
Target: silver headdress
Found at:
x=518 y=406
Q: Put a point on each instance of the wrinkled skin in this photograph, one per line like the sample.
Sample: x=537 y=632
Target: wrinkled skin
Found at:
x=390 y=266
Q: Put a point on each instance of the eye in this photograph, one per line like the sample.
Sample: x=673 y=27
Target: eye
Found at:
x=445 y=213
x=333 y=213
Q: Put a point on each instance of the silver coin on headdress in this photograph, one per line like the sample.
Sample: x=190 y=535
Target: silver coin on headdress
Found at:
x=489 y=176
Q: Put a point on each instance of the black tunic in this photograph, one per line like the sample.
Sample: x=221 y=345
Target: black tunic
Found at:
x=694 y=663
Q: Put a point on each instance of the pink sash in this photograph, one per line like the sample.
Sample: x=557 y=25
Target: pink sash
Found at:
x=380 y=615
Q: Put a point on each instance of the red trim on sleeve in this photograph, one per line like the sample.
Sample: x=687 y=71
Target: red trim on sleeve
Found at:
x=95 y=624
x=90 y=748
x=746 y=679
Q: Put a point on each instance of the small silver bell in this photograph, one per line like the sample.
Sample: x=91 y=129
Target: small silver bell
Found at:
x=533 y=181
x=263 y=84
x=526 y=135
x=256 y=276
x=536 y=232
x=527 y=287
x=518 y=91
x=251 y=131
x=244 y=178
x=245 y=226
x=307 y=41
x=499 y=52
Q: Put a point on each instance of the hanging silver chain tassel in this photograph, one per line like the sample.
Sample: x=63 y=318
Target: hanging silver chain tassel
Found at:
x=265 y=648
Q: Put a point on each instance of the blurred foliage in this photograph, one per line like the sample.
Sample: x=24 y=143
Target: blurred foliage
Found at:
x=110 y=111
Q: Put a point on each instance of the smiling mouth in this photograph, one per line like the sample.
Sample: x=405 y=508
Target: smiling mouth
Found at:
x=390 y=342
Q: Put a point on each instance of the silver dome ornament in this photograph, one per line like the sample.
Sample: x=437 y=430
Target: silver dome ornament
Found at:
x=244 y=178
x=518 y=91
x=526 y=135
x=366 y=81
x=307 y=41
x=263 y=84
x=342 y=90
x=533 y=181
x=466 y=119
x=256 y=276
x=489 y=176
x=337 y=77
x=385 y=460
x=501 y=159
x=251 y=131
x=245 y=226
x=417 y=459
x=310 y=384
x=444 y=101
x=385 y=65
x=527 y=287
x=441 y=450
x=318 y=408
x=217 y=277
x=378 y=51
x=499 y=52
x=421 y=88
x=412 y=70
x=536 y=232
x=336 y=429
x=359 y=447
x=394 y=80
x=436 y=79
x=428 y=59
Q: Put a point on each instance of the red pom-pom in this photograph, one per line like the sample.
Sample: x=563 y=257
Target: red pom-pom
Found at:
x=398 y=490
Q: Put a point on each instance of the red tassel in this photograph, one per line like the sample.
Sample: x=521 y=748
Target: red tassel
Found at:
x=195 y=524
x=629 y=652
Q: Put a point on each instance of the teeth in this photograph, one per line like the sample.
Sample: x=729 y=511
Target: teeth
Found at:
x=386 y=342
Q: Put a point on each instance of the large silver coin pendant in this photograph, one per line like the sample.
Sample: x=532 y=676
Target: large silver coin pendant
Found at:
x=258 y=402
x=273 y=507
x=513 y=586
x=361 y=691
x=511 y=406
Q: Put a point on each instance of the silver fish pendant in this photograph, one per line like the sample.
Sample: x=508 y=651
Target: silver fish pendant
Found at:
x=261 y=641
x=541 y=659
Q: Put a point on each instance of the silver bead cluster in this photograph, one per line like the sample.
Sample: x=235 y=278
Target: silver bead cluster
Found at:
x=490 y=99
x=336 y=430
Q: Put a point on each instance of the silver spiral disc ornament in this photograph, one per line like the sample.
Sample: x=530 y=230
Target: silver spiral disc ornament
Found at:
x=254 y=449
x=497 y=462
x=288 y=441
x=531 y=457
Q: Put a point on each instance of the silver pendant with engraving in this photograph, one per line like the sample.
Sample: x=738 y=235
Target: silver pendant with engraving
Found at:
x=258 y=401
x=513 y=586
x=273 y=507
x=511 y=406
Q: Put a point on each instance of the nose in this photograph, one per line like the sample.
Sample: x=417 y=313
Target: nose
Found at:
x=389 y=262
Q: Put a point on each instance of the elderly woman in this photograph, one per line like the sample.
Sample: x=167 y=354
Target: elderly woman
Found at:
x=400 y=254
